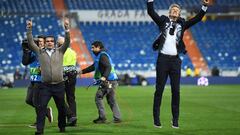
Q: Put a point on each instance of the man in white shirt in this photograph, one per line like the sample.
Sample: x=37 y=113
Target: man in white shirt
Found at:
x=169 y=44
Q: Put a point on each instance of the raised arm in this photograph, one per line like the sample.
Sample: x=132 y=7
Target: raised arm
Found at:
x=199 y=16
x=156 y=18
x=31 y=42
x=66 y=43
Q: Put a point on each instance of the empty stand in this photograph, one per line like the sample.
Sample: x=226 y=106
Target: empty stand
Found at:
x=27 y=6
x=141 y=4
x=219 y=43
x=13 y=31
x=129 y=43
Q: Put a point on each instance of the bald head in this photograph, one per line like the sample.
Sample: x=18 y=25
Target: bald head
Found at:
x=60 y=40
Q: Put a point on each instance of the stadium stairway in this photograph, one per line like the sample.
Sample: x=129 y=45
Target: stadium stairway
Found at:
x=194 y=53
x=59 y=7
x=78 y=44
x=83 y=55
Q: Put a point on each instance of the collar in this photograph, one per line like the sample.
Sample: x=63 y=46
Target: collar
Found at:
x=49 y=49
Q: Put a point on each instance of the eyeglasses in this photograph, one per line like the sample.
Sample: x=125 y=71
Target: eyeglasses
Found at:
x=49 y=40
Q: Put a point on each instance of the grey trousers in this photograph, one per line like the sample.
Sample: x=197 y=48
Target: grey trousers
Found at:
x=109 y=92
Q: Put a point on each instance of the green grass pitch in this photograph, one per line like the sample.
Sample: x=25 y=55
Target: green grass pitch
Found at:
x=213 y=110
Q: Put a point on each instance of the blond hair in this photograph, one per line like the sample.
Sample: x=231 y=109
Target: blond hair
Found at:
x=174 y=5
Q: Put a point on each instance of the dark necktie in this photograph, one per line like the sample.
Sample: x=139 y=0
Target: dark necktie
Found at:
x=172 y=28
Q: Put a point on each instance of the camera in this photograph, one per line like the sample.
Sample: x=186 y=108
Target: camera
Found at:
x=25 y=43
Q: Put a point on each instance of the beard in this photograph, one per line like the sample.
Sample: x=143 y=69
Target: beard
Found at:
x=95 y=53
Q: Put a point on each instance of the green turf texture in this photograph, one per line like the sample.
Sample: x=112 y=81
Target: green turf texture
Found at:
x=213 y=110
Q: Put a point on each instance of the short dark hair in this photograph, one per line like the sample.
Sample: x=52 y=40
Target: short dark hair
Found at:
x=50 y=36
x=41 y=36
x=98 y=44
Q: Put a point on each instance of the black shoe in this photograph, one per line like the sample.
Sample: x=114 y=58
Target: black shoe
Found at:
x=99 y=120
x=72 y=122
x=34 y=125
x=49 y=114
x=117 y=121
x=158 y=125
x=38 y=133
x=175 y=124
x=62 y=130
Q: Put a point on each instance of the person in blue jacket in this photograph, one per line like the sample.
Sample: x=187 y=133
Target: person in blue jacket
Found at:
x=105 y=73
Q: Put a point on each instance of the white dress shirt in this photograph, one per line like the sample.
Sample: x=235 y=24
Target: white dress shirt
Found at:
x=49 y=51
x=170 y=45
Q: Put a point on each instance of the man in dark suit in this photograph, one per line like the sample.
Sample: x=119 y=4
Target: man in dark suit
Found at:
x=169 y=45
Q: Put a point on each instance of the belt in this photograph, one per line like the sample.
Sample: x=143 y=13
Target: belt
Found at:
x=53 y=84
x=35 y=82
x=168 y=56
x=112 y=80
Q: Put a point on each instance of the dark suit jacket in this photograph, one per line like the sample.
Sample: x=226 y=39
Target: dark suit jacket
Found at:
x=163 y=20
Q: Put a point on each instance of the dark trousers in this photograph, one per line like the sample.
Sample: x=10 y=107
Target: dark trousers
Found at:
x=70 y=106
x=110 y=95
x=32 y=93
x=46 y=92
x=167 y=66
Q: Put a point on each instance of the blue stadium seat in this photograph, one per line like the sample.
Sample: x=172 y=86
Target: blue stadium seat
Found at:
x=27 y=6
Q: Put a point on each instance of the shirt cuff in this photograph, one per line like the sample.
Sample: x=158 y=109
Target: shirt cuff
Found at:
x=150 y=0
x=204 y=8
x=67 y=30
x=29 y=30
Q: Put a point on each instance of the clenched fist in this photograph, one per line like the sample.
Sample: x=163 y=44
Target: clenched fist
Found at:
x=29 y=24
x=66 y=24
